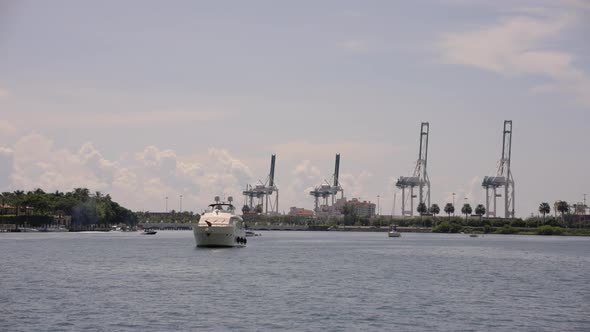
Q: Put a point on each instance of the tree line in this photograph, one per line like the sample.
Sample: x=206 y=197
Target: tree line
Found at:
x=84 y=207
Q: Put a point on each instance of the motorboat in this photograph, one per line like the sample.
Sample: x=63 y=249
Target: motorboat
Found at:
x=472 y=235
x=148 y=232
x=393 y=232
x=220 y=226
x=250 y=233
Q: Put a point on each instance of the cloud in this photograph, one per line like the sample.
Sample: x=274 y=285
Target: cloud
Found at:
x=39 y=164
x=356 y=185
x=160 y=173
x=517 y=46
x=140 y=183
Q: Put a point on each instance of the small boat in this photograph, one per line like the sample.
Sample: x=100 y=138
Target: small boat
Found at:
x=220 y=227
x=250 y=233
x=393 y=232
x=148 y=232
x=473 y=235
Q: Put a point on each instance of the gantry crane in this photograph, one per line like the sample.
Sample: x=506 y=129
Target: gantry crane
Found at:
x=263 y=192
x=420 y=177
x=327 y=190
x=503 y=177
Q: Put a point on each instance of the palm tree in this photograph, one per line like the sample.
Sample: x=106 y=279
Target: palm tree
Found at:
x=563 y=208
x=544 y=208
x=19 y=197
x=466 y=210
x=480 y=210
x=422 y=209
x=258 y=208
x=449 y=208
x=435 y=209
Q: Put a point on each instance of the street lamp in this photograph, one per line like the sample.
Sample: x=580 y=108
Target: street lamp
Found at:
x=454 y=203
x=166 y=204
x=378 y=209
x=180 y=203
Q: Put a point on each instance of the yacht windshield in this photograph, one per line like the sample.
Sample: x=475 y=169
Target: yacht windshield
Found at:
x=222 y=207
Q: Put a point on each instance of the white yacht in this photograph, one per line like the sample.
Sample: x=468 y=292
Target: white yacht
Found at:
x=220 y=227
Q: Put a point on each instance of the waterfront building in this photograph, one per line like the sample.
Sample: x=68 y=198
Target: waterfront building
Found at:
x=362 y=209
x=300 y=212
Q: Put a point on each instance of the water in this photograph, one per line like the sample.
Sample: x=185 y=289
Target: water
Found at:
x=304 y=281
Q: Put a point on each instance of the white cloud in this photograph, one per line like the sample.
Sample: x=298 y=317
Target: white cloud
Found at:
x=38 y=164
x=138 y=183
x=356 y=185
x=517 y=46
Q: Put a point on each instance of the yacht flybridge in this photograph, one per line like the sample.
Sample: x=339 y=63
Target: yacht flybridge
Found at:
x=220 y=226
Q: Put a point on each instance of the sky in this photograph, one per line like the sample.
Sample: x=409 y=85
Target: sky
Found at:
x=151 y=99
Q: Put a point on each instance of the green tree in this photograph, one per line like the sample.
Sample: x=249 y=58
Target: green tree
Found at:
x=480 y=210
x=562 y=207
x=466 y=210
x=350 y=216
x=422 y=208
x=258 y=208
x=18 y=200
x=449 y=209
x=81 y=194
x=435 y=209
x=544 y=209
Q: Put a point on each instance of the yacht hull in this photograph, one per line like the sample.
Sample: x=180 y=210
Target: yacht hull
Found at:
x=219 y=237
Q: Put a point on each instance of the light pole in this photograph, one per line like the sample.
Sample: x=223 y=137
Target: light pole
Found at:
x=180 y=203
x=378 y=210
x=454 y=203
x=394 y=199
x=166 y=204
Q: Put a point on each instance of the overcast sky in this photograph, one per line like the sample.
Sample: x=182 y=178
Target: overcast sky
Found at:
x=147 y=99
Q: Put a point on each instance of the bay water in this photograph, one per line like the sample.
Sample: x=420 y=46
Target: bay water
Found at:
x=300 y=281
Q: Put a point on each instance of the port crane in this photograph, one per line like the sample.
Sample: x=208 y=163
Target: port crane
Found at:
x=419 y=178
x=327 y=190
x=264 y=194
x=503 y=178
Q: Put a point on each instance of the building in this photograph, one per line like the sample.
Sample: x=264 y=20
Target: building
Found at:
x=362 y=209
x=301 y=212
x=6 y=209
